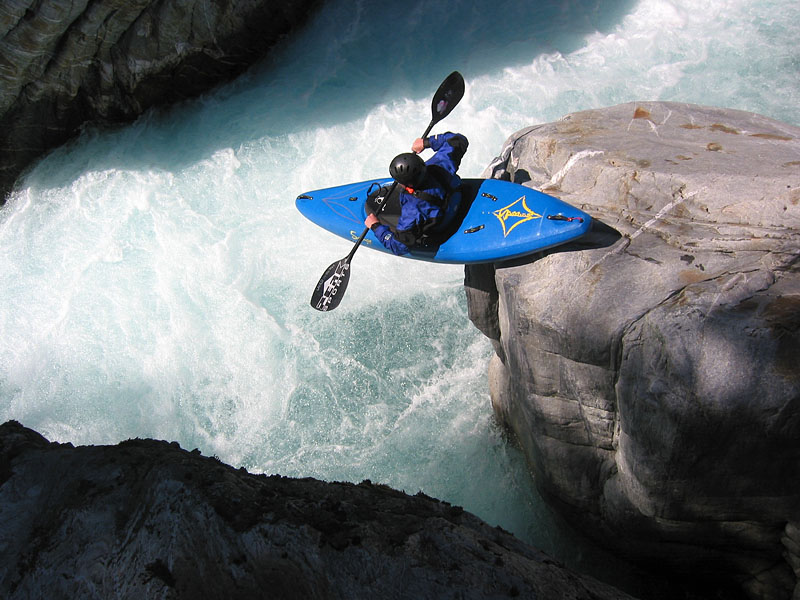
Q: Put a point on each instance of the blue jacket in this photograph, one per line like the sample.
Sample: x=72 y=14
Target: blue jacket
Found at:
x=418 y=215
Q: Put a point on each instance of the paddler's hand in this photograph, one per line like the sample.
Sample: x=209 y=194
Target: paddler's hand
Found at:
x=371 y=220
x=418 y=146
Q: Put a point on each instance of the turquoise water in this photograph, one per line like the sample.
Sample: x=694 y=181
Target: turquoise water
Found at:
x=156 y=277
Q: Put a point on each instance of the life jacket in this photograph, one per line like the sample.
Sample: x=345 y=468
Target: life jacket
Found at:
x=435 y=176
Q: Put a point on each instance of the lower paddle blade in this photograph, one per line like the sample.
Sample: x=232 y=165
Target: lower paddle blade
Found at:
x=331 y=287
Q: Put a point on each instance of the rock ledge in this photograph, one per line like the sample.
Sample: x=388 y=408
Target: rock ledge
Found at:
x=650 y=370
x=145 y=519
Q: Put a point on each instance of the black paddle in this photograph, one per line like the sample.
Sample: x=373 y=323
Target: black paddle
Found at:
x=333 y=283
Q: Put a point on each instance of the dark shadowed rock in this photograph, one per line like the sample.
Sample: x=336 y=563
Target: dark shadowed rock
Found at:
x=64 y=63
x=651 y=371
x=145 y=519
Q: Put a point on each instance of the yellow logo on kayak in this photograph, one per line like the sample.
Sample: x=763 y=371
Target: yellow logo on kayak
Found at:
x=354 y=236
x=510 y=218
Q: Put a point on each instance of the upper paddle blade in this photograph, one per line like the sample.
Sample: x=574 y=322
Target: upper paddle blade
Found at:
x=331 y=286
x=447 y=96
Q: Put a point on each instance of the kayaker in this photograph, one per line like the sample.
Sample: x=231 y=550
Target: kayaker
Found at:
x=428 y=192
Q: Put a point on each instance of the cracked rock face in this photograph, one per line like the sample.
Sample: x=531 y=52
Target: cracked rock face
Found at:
x=64 y=63
x=145 y=519
x=651 y=370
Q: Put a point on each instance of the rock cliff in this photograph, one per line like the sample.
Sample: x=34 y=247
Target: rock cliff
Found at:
x=651 y=371
x=145 y=519
x=64 y=63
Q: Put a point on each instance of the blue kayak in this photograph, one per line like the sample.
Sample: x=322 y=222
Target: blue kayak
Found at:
x=496 y=221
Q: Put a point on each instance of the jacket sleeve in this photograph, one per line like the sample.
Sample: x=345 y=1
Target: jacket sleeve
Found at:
x=389 y=240
x=449 y=149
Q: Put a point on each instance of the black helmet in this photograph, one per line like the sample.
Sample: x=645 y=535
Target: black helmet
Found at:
x=407 y=169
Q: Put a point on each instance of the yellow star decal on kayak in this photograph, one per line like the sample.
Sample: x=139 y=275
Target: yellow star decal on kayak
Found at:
x=510 y=218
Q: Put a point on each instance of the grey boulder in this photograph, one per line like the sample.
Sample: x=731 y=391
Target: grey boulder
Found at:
x=651 y=370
